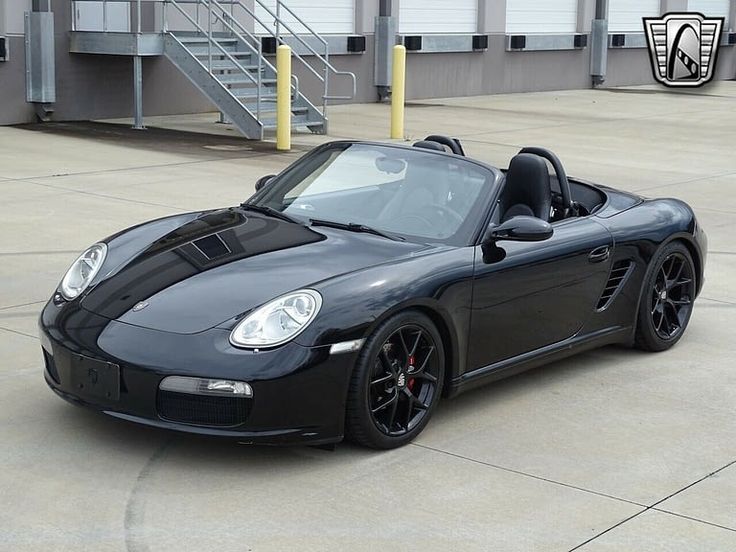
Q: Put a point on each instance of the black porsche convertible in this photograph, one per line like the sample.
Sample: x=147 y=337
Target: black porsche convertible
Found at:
x=358 y=287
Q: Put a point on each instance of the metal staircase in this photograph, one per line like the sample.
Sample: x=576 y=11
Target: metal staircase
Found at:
x=226 y=62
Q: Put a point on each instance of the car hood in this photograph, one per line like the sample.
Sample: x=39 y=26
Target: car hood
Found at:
x=227 y=262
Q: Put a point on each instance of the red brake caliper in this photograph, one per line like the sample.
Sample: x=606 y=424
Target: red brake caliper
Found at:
x=410 y=383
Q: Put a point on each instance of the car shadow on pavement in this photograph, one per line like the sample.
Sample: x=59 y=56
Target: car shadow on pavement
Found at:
x=195 y=452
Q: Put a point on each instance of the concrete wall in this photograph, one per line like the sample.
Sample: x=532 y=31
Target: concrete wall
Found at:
x=94 y=86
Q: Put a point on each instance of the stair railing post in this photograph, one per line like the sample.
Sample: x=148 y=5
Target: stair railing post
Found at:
x=260 y=80
x=278 y=22
x=326 y=79
x=283 y=98
x=164 y=17
x=209 y=36
x=138 y=77
x=104 y=16
x=138 y=15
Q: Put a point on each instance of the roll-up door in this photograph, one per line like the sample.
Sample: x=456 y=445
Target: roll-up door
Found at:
x=541 y=16
x=322 y=16
x=711 y=8
x=624 y=16
x=438 y=16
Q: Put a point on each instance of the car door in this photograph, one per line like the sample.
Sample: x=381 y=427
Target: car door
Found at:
x=527 y=295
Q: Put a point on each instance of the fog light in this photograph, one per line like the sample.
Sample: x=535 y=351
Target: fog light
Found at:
x=346 y=347
x=203 y=386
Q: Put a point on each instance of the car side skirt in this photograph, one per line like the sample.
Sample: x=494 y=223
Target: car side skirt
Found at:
x=539 y=357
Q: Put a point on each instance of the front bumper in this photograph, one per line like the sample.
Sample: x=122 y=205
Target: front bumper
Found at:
x=299 y=393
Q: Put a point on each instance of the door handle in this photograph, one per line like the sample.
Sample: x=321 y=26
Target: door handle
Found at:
x=599 y=254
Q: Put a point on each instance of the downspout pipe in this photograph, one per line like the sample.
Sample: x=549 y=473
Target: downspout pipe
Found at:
x=41 y=5
x=385 y=39
x=599 y=43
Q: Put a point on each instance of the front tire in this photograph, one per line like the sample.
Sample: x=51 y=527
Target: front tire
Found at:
x=396 y=383
x=667 y=299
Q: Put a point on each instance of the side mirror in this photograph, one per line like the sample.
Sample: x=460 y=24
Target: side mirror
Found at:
x=261 y=182
x=522 y=228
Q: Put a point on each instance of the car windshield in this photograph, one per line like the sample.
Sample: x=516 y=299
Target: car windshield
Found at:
x=413 y=194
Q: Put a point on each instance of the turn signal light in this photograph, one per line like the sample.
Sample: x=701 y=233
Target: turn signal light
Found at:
x=203 y=386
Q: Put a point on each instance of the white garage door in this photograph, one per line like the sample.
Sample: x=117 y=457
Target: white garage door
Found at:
x=711 y=8
x=541 y=16
x=323 y=16
x=624 y=16
x=438 y=16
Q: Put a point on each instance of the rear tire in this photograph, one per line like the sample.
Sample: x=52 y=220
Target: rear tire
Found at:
x=396 y=383
x=667 y=299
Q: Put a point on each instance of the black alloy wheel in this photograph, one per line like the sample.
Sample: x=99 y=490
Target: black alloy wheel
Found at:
x=672 y=296
x=397 y=382
x=667 y=303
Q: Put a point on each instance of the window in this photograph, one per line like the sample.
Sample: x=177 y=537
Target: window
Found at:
x=414 y=193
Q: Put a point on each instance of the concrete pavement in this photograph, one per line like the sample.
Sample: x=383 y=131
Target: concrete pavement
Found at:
x=610 y=450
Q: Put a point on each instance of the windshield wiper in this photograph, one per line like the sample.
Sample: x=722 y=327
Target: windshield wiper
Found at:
x=270 y=211
x=353 y=227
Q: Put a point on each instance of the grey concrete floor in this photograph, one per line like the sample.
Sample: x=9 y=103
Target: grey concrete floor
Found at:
x=611 y=450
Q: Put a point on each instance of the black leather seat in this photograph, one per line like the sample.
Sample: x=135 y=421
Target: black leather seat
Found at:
x=527 y=189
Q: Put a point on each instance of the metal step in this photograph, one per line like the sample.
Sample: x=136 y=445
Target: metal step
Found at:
x=297 y=121
x=232 y=89
x=270 y=107
x=232 y=50
x=218 y=55
x=238 y=80
x=239 y=77
x=186 y=40
x=268 y=97
x=227 y=65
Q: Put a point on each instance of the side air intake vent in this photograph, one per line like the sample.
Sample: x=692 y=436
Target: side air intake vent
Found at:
x=619 y=272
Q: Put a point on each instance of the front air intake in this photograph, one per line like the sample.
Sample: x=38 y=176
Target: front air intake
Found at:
x=201 y=410
x=619 y=272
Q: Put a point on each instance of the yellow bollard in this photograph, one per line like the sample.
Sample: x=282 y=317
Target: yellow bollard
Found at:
x=283 y=98
x=398 y=83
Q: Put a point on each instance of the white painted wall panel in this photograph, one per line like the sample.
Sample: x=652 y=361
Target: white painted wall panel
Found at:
x=541 y=16
x=90 y=16
x=438 y=16
x=624 y=16
x=323 y=16
x=11 y=16
x=711 y=8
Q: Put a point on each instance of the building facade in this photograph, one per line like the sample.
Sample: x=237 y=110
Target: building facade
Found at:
x=455 y=48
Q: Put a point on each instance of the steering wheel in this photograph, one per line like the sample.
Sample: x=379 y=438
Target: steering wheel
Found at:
x=568 y=207
x=441 y=210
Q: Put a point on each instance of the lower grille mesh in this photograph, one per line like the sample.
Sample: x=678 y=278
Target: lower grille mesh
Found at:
x=202 y=410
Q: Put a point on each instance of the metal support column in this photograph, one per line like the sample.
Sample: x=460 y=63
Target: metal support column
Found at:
x=599 y=43
x=385 y=40
x=138 y=93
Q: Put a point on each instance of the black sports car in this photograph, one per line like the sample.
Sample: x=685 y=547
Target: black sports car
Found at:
x=360 y=285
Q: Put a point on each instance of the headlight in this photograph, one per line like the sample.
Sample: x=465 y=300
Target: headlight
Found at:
x=83 y=271
x=278 y=321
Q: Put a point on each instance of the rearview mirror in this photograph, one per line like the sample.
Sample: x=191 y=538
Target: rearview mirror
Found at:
x=261 y=182
x=522 y=228
x=390 y=165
